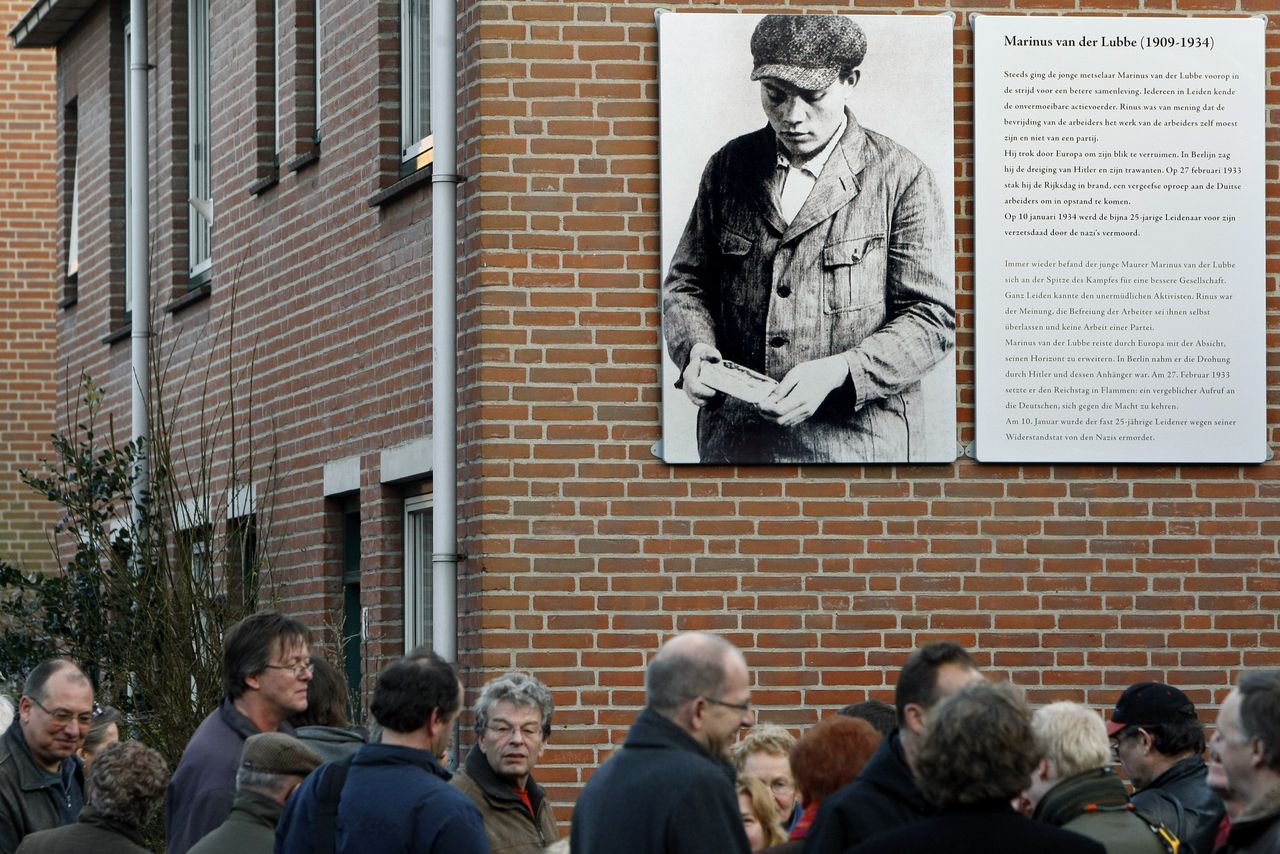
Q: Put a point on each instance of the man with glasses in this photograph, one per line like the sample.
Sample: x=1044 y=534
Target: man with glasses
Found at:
x=513 y=722
x=41 y=779
x=1158 y=740
x=670 y=789
x=265 y=670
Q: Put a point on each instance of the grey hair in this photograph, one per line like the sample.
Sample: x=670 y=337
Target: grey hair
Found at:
x=261 y=780
x=686 y=667
x=518 y=689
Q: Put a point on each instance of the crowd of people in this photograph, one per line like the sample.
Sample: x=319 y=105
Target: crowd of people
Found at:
x=958 y=763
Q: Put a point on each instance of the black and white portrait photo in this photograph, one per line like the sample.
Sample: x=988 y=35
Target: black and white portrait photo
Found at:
x=808 y=296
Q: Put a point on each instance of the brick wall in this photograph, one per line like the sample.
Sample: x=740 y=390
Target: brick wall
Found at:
x=1072 y=580
x=583 y=551
x=28 y=290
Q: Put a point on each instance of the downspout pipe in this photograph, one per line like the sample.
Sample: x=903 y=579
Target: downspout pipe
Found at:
x=444 y=329
x=138 y=252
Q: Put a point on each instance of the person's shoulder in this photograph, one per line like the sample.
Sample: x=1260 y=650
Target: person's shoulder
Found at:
x=749 y=146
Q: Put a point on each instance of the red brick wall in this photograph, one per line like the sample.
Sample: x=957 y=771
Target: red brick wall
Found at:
x=28 y=289
x=1072 y=580
x=582 y=550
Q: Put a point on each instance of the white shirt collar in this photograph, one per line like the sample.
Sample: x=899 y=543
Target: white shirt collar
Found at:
x=815 y=163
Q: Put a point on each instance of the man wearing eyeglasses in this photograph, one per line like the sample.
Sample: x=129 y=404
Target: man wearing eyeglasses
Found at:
x=41 y=779
x=1158 y=739
x=513 y=722
x=265 y=670
x=670 y=789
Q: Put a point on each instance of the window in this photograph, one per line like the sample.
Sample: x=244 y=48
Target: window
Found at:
x=415 y=92
x=353 y=615
x=417 y=571
x=199 y=192
x=72 y=149
x=242 y=560
x=128 y=169
x=317 y=43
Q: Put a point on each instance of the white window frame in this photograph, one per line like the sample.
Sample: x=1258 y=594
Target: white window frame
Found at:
x=417 y=571
x=199 y=157
x=128 y=178
x=416 y=142
x=73 y=236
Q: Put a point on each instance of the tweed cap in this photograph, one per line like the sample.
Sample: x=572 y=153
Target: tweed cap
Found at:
x=806 y=51
x=277 y=753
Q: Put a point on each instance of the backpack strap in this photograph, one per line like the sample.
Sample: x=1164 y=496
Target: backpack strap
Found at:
x=328 y=794
x=1171 y=843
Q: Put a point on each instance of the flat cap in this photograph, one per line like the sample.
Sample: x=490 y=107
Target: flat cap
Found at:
x=277 y=753
x=1150 y=703
x=806 y=51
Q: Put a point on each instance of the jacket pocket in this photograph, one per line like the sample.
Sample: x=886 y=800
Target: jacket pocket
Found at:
x=733 y=244
x=853 y=273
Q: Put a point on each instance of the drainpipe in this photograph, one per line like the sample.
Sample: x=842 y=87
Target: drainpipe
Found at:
x=444 y=331
x=138 y=251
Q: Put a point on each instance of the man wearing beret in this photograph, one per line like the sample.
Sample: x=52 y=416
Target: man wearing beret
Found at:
x=817 y=253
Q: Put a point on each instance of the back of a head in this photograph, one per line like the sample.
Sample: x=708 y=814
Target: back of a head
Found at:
x=1260 y=713
x=878 y=713
x=127 y=781
x=918 y=681
x=831 y=754
x=411 y=688
x=979 y=747
x=327 y=696
x=762 y=738
x=248 y=646
x=1072 y=737
x=687 y=666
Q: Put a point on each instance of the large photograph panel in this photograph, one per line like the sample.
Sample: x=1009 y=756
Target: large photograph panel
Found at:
x=808 y=302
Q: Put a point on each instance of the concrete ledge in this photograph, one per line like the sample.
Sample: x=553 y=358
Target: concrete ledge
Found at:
x=342 y=477
x=410 y=461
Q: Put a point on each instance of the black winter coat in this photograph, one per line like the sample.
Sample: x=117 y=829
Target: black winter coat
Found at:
x=883 y=797
x=1182 y=801
x=662 y=793
x=28 y=801
x=979 y=829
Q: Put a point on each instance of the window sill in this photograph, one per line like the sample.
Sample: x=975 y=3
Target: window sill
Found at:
x=119 y=334
x=309 y=156
x=271 y=177
x=401 y=187
x=199 y=293
x=68 y=301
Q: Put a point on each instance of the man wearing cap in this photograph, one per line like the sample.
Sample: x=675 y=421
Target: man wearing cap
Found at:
x=1158 y=740
x=272 y=765
x=817 y=253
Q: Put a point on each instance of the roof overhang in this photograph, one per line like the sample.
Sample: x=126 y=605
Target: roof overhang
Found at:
x=47 y=21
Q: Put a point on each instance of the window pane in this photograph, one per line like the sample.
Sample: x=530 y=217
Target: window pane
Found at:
x=417 y=572
x=200 y=206
x=415 y=77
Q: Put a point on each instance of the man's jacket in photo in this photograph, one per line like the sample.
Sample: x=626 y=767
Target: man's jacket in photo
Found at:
x=508 y=823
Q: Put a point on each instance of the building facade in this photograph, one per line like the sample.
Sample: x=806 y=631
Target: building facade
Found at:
x=289 y=243
x=27 y=293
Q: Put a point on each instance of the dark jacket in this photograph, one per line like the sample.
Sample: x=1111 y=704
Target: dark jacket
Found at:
x=204 y=785
x=1096 y=804
x=1183 y=785
x=249 y=829
x=979 y=829
x=94 y=833
x=396 y=800
x=28 y=800
x=1257 y=829
x=508 y=824
x=883 y=797
x=863 y=271
x=333 y=742
x=662 y=793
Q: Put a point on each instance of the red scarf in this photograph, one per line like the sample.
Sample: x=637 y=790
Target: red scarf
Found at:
x=806 y=820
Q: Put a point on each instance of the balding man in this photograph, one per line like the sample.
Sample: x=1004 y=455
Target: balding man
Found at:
x=41 y=779
x=670 y=789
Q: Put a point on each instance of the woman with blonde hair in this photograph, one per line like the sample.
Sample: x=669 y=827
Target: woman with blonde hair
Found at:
x=759 y=813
